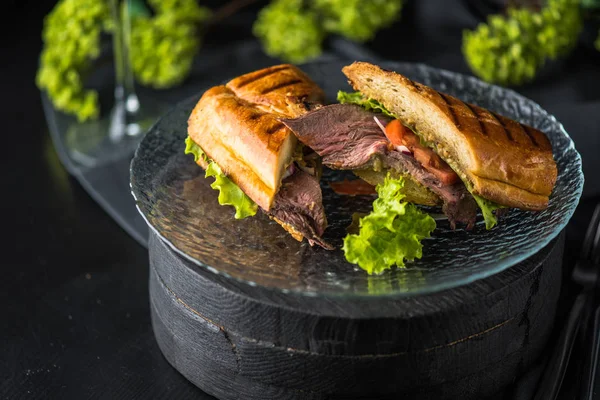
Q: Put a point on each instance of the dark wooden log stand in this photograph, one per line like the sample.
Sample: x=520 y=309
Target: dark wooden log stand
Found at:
x=237 y=341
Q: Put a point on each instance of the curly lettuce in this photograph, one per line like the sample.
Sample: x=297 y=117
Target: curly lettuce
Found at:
x=192 y=148
x=360 y=100
x=487 y=207
x=229 y=193
x=391 y=233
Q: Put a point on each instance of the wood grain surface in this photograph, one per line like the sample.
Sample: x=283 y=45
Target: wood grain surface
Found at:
x=239 y=342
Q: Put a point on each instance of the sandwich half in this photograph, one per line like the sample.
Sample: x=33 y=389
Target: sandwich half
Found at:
x=236 y=136
x=449 y=152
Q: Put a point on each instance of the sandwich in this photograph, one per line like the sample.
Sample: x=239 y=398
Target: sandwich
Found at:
x=235 y=134
x=449 y=153
x=423 y=147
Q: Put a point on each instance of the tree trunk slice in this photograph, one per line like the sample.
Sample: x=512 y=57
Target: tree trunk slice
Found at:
x=237 y=341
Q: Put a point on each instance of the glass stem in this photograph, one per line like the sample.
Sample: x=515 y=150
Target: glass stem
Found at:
x=126 y=101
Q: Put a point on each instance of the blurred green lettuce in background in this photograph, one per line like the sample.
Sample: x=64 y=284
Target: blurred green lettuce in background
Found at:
x=294 y=30
x=508 y=49
x=71 y=36
x=163 y=46
x=289 y=30
x=511 y=49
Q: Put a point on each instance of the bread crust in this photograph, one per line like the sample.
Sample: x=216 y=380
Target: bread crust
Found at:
x=251 y=146
x=281 y=89
x=500 y=159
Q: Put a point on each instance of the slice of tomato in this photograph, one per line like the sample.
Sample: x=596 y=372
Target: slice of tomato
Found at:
x=353 y=188
x=423 y=156
x=395 y=132
x=434 y=164
x=411 y=140
x=398 y=134
x=446 y=175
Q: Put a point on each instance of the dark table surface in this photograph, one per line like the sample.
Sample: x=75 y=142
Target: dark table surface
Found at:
x=74 y=313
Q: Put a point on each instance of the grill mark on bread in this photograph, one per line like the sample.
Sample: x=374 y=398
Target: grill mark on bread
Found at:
x=413 y=84
x=506 y=130
x=261 y=75
x=518 y=126
x=275 y=128
x=482 y=126
x=254 y=116
x=527 y=130
x=449 y=108
x=281 y=85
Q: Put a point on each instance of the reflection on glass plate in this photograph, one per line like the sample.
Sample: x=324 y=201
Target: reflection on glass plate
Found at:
x=178 y=203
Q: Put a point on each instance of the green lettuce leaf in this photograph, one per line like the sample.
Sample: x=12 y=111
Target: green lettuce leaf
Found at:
x=487 y=209
x=230 y=194
x=368 y=104
x=391 y=233
x=192 y=148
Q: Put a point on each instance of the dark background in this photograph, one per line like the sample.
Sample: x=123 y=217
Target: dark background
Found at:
x=74 y=316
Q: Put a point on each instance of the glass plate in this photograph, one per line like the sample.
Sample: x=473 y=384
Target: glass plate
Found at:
x=179 y=205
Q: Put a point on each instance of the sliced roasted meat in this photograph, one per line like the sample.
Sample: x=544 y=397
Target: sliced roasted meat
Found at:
x=458 y=204
x=299 y=204
x=344 y=135
x=348 y=137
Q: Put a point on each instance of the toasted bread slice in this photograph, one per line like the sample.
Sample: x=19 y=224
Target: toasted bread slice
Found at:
x=251 y=146
x=282 y=89
x=498 y=158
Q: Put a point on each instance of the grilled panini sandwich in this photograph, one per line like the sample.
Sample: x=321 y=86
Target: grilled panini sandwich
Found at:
x=236 y=126
x=450 y=153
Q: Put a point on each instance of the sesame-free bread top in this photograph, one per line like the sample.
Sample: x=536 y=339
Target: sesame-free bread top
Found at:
x=283 y=89
x=498 y=158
